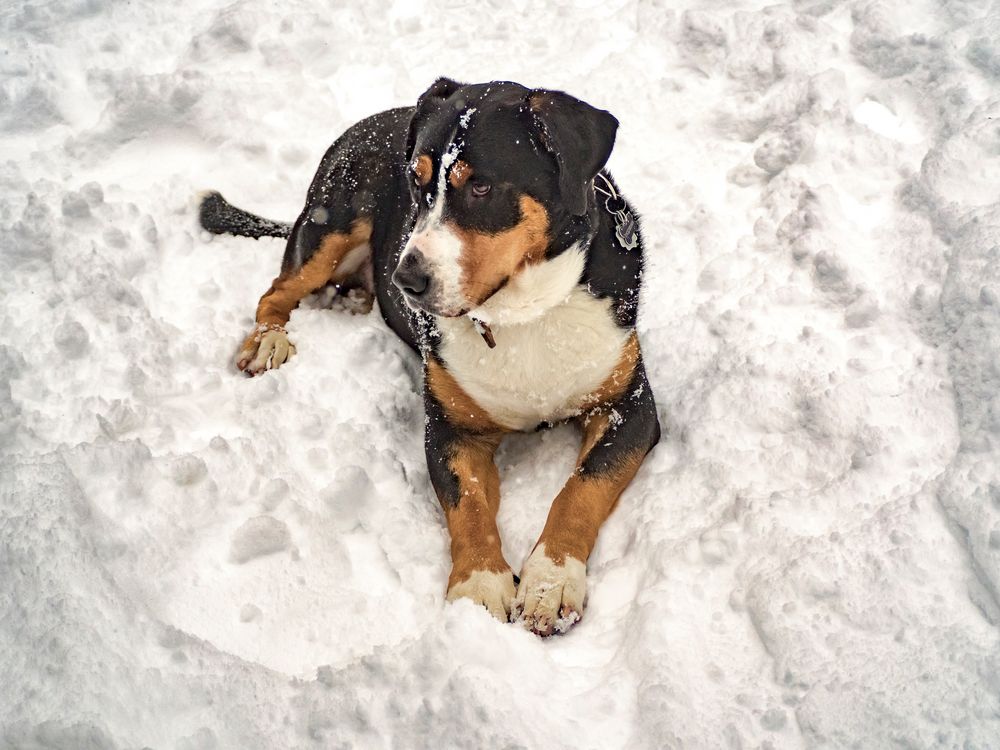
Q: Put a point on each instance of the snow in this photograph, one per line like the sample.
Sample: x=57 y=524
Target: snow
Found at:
x=809 y=558
x=261 y=535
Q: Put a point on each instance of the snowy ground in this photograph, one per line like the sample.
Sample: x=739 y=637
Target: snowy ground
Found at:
x=811 y=558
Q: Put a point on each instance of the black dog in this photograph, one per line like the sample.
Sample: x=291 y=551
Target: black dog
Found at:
x=497 y=248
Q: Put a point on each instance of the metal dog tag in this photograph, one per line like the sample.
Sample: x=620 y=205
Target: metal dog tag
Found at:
x=625 y=230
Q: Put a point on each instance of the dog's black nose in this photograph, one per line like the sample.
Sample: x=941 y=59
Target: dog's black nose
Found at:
x=410 y=275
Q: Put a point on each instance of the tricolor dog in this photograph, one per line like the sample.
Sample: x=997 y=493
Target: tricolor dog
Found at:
x=498 y=248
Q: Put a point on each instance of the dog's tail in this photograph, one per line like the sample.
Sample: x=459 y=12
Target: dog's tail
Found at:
x=219 y=216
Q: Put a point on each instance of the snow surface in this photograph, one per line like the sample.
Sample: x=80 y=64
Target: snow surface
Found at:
x=192 y=560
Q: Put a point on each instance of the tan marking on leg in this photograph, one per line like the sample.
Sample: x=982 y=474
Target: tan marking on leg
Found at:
x=479 y=571
x=582 y=506
x=287 y=290
x=487 y=260
x=459 y=407
x=585 y=501
x=267 y=346
x=475 y=540
x=616 y=383
x=594 y=425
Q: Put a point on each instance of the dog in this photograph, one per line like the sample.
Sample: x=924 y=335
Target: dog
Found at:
x=501 y=251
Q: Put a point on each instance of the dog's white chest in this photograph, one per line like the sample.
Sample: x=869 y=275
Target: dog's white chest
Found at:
x=540 y=370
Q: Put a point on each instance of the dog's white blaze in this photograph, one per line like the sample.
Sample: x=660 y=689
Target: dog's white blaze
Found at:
x=440 y=246
x=545 y=363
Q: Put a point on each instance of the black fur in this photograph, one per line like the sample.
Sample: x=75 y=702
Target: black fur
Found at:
x=579 y=137
x=634 y=427
x=218 y=216
x=440 y=439
x=611 y=270
x=543 y=144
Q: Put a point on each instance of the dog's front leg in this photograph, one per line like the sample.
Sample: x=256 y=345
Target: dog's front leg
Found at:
x=460 y=443
x=470 y=497
x=616 y=438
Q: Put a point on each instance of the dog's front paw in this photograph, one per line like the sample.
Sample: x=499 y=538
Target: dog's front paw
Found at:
x=266 y=348
x=550 y=596
x=495 y=591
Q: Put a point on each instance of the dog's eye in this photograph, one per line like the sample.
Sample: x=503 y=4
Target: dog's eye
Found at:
x=480 y=189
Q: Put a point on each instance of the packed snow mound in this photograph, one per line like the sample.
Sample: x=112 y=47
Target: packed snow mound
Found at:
x=190 y=559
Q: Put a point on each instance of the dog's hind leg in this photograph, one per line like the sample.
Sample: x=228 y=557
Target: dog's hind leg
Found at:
x=324 y=245
x=359 y=179
x=219 y=216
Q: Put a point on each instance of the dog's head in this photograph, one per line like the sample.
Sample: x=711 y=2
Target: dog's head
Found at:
x=500 y=175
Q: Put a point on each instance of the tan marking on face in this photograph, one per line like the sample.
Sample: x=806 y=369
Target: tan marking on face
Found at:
x=616 y=383
x=459 y=174
x=423 y=169
x=584 y=503
x=487 y=260
x=459 y=407
x=475 y=538
x=289 y=288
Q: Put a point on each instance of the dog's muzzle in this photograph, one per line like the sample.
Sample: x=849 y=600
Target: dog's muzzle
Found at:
x=411 y=276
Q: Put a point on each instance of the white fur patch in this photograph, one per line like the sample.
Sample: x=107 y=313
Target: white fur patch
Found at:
x=550 y=597
x=440 y=246
x=555 y=345
x=535 y=289
x=495 y=591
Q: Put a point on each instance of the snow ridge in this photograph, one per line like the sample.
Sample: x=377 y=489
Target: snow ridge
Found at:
x=811 y=558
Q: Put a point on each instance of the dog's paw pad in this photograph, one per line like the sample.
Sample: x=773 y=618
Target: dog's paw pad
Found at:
x=550 y=596
x=495 y=591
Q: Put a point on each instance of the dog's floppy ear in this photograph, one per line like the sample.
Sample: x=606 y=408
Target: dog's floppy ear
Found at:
x=429 y=102
x=579 y=136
